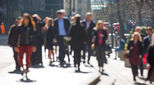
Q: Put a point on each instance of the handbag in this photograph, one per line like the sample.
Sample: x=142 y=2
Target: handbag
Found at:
x=126 y=54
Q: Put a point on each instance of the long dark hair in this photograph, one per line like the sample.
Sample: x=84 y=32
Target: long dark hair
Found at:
x=31 y=21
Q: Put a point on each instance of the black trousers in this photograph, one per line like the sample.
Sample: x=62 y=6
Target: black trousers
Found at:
x=15 y=55
x=141 y=67
x=77 y=57
x=134 y=70
x=36 y=57
x=61 y=49
x=150 y=73
x=100 y=53
x=87 y=48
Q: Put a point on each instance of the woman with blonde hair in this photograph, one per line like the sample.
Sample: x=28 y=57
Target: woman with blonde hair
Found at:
x=99 y=39
x=49 y=38
x=135 y=52
x=150 y=59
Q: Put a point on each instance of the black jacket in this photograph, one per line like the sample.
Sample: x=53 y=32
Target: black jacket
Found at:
x=104 y=38
x=131 y=44
x=39 y=33
x=66 y=25
x=12 y=36
x=89 y=30
x=146 y=43
x=49 y=37
x=78 y=36
x=26 y=36
x=151 y=55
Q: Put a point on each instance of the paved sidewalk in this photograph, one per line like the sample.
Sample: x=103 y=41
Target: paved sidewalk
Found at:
x=3 y=39
x=48 y=75
x=117 y=74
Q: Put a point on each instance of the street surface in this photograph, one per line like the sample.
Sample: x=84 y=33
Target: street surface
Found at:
x=115 y=73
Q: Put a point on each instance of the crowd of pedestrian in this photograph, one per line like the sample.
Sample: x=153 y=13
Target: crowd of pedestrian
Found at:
x=29 y=33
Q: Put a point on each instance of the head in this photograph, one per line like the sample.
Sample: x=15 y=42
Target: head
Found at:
x=88 y=16
x=77 y=18
x=2 y=23
x=63 y=12
x=37 y=17
x=100 y=25
x=149 y=31
x=18 y=20
x=118 y=38
x=28 y=21
x=136 y=37
x=59 y=14
x=49 y=22
x=138 y=29
x=45 y=19
x=72 y=19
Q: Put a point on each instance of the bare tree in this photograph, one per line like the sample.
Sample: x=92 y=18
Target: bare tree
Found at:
x=139 y=4
x=151 y=6
x=120 y=18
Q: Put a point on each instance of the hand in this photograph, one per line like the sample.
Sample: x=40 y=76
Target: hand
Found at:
x=54 y=41
x=140 y=56
x=17 y=49
x=131 y=48
x=34 y=49
x=93 y=46
x=148 y=66
x=101 y=35
x=85 y=43
x=93 y=40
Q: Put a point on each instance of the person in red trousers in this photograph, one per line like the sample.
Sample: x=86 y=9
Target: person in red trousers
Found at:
x=25 y=42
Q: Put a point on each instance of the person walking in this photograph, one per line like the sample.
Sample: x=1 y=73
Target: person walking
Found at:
x=49 y=38
x=61 y=27
x=36 y=58
x=12 y=35
x=148 y=39
x=99 y=40
x=25 y=41
x=135 y=53
x=150 y=59
x=120 y=48
x=89 y=25
x=78 y=39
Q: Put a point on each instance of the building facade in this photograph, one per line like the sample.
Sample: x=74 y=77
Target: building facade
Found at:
x=11 y=9
x=73 y=7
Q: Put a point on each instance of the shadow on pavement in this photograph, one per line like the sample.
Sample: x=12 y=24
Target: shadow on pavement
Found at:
x=142 y=78
x=37 y=66
x=15 y=72
x=89 y=65
x=137 y=83
x=83 y=72
x=105 y=74
x=26 y=81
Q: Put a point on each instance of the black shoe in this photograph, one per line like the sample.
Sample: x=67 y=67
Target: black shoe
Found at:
x=84 y=62
x=88 y=62
x=134 y=79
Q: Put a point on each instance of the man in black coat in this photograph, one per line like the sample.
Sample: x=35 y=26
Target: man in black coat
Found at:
x=61 y=27
x=11 y=42
x=148 y=39
x=89 y=25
